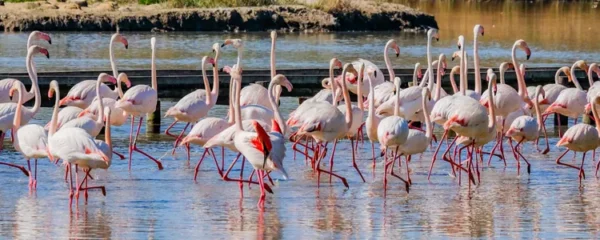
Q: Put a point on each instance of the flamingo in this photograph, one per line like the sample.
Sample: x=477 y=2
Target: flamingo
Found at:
x=526 y=128
x=325 y=123
x=76 y=146
x=30 y=139
x=324 y=94
x=504 y=66
x=195 y=105
x=91 y=126
x=392 y=132
x=478 y=29
x=594 y=89
x=117 y=118
x=417 y=141
x=138 y=101
x=7 y=110
x=83 y=93
x=508 y=99
x=571 y=101
x=373 y=120
x=385 y=90
x=7 y=84
x=581 y=138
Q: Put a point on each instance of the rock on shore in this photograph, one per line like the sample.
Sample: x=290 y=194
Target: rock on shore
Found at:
x=68 y=16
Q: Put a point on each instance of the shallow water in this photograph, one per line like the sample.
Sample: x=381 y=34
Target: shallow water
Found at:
x=147 y=203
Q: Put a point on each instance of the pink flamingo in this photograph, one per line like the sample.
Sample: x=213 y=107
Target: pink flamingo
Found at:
x=117 y=118
x=83 y=93
x=385 y=90
x=581 y=138
x=508 y=99
x=373 y=120
x=196 y=104
x=30 y=139
x=325 y=123
x=7 y=110
x=526 y=128
x=7 y=84
x=571 y=101
x=594 y=89
x=392 y=132
x=87 y=123
x=138 y=101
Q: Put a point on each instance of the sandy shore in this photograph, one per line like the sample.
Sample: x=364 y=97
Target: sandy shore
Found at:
x=107 y=16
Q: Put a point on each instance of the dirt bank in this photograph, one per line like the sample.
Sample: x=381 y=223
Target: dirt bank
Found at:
x=106 y=16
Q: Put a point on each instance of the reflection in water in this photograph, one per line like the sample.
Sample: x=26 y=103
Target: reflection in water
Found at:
x=148 y=203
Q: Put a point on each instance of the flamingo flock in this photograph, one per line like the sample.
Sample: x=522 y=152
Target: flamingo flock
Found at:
x=256 y=130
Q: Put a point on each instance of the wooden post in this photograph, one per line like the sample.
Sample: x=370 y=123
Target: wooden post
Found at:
x=153 y=120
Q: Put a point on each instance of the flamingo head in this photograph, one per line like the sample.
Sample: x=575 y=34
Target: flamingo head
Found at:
x=433 y=33
x=122 y=78
x=461 y=42
x=216 y=48
x=393 y=45
x=478 y=29
x=207 y=60
x=335 y=63
x=491 y=77
x=17 y=86
x=153 y=43
x=504 y=66
x=236 y=43
x=418 y=70
x=372 y=73
x=582 y=65
x=523 y=46
x=588 y=108
x=117 y=37
x=261 y=142
x=281 y=80
x=455 y=70
x=455 y=54
x=443 y=64
x=103 y=77
x=41 y=36
x=273 y=34
x=38 y=49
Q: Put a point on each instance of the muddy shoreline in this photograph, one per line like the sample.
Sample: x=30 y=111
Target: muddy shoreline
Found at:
x=57 y=17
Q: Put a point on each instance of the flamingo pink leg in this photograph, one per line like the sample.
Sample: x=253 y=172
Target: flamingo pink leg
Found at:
x=200 y=162
x=178 y=139
x=406 y=184
x=581 y=172
x=133 y=146
x=169 y=128
x=121 y=156
x=226 y=178
x=16 y=166
x=354 y=159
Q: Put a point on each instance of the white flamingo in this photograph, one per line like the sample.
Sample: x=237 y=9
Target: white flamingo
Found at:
x=581 y=138
x=195 y=105
x=139 y=101
x=385 y=90
x=83 y=93
x=571 y=101
x=30 y=139
x=7 y=84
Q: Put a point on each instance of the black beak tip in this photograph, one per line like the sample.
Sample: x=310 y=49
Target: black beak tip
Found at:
x=452 y=59
x=458 y=46
x=481 y=34
x=528 y=56
x=127 y=46
x=48 y=56
x=213 y=65
x=437 y=39
x=397 y=54
x=50 y=42
x=223 y=45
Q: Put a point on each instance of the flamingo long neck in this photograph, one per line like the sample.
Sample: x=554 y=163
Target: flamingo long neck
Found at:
x=240 y=50
x=113 y=64
x=29 y=44
x=236 y=105
x=371 y=113
x=206 y=84
x=595 y=114
x=388 y=63
x=34 y=83
x=502 y=72
x=19 y=110
x=429 y=62
x=107 y=133
x=231 y=112
x=453 y=82
x=463 y=72
x=359 y=91
x=215 y=90
x=465 y=82
x=492 y=106
x=100 y=118
x=520 y=82
x=438 y=80
x=119 y=88
x=590 y=75
x=574 y=78
x=152 y=69
x=428 y=125
x=54 y=119
x=273 y=70
x=347 y=100
x=397 y=102
x=415 y=79
x=333 y=85
x=273 y=101
x=476 y=64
